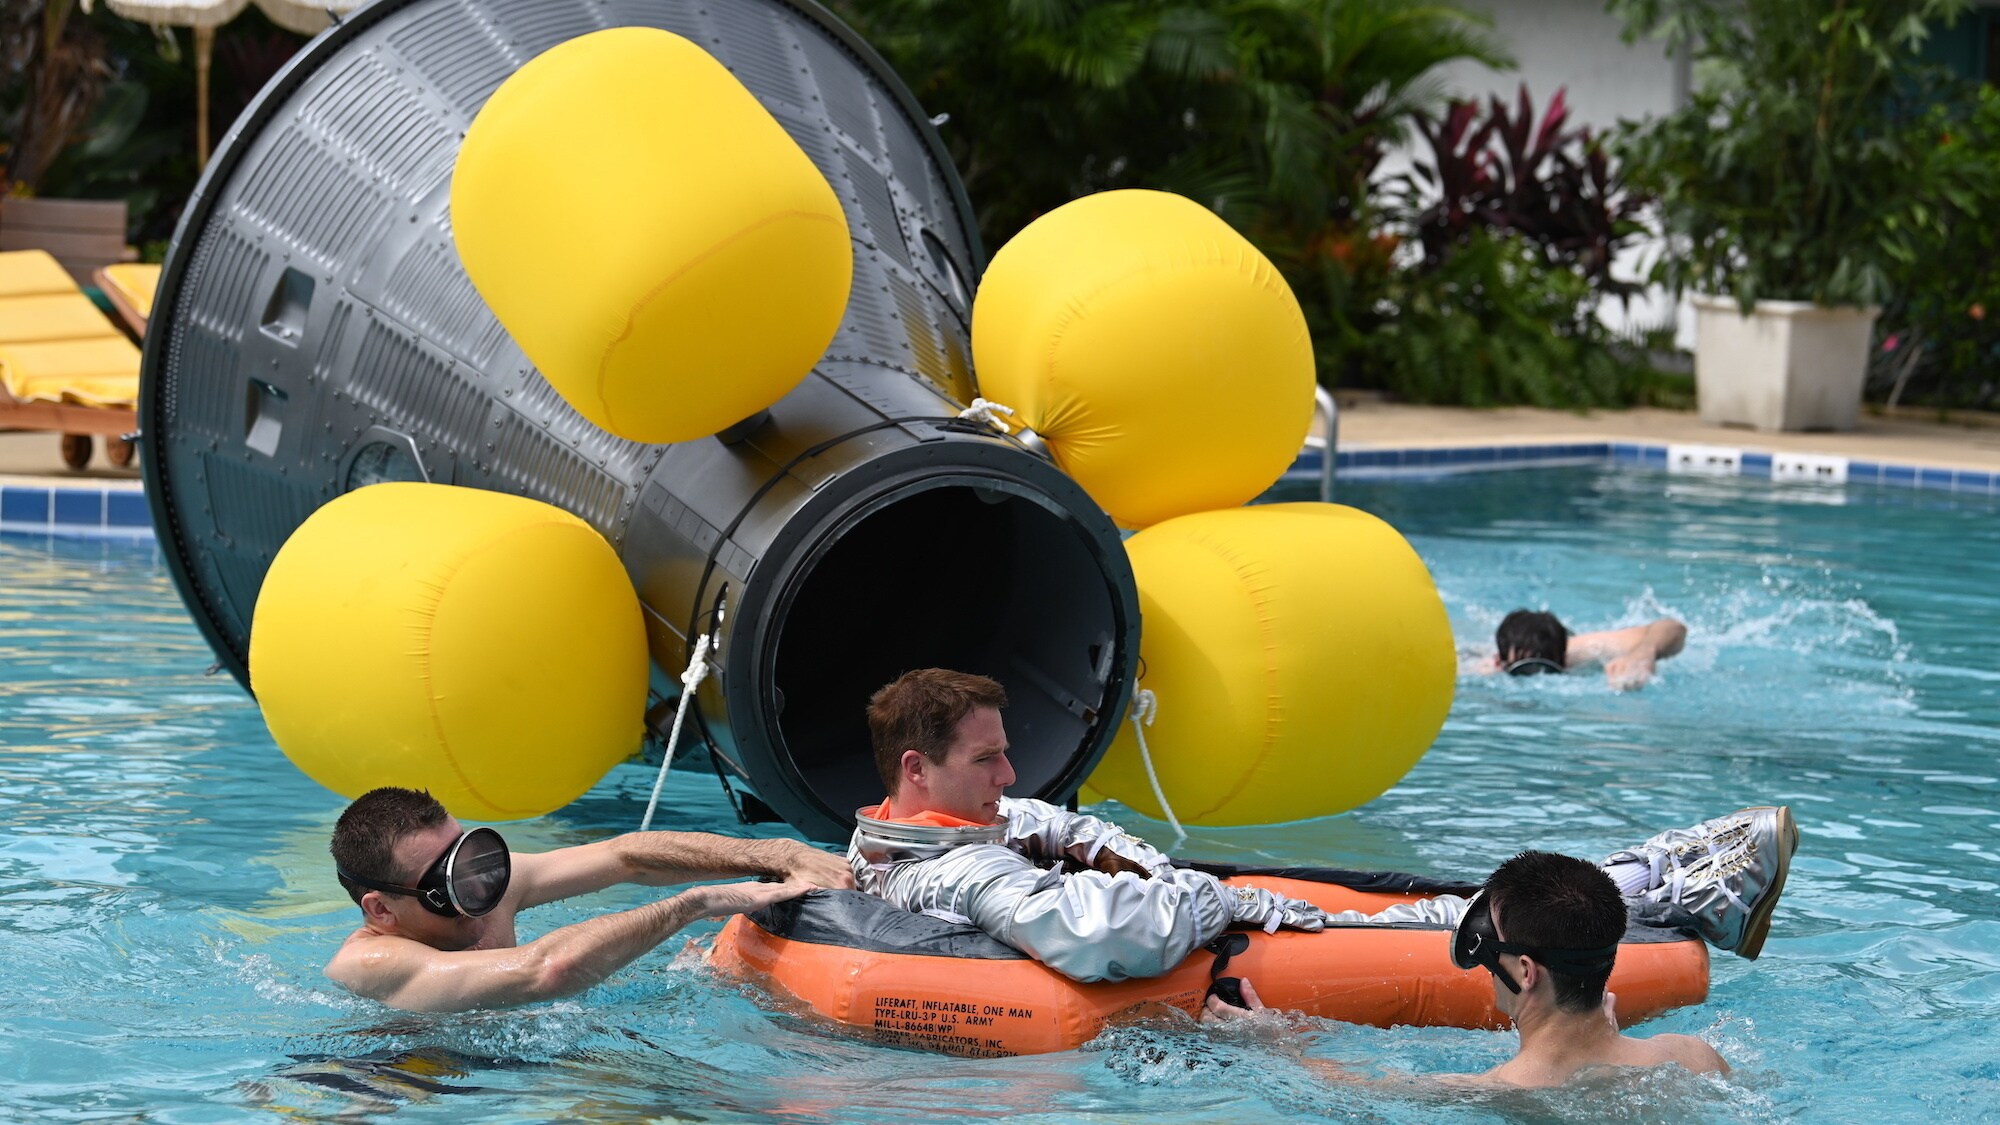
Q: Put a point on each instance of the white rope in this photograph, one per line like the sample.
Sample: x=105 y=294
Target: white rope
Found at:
x=697 y=670
x=982 y=410
x=1145 y=705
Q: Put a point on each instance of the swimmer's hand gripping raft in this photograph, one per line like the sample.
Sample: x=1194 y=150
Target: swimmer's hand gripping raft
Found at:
x=1302 y=660
x=486 y=647
x=1163 y=359
x=653 y=239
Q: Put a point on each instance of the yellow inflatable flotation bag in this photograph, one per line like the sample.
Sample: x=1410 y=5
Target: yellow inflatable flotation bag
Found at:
x=1301 y=659
x=657 y=244
x=486 y=647
x=1162 y=358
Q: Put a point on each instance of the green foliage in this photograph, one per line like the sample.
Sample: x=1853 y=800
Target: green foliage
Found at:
x=1273 y=113
x=51 y=74
x=1552 y=184
x=1799 y=169
x=115 y=155
x=1941 y=328
x=1276 y=114
x=1358 y=83
x=1049 y=100
x=1495 y=324
x=1513 y=226
x=134 y=136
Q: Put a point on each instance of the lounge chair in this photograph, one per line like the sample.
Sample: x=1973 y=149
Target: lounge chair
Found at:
x=82 y=234
x=64 y=366
x=129 y=287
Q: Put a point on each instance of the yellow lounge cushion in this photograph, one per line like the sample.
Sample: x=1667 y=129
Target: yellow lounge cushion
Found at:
x=96 y=372
x=32 y=272
x=46 y=318
x=55 y=346
x=136 y=282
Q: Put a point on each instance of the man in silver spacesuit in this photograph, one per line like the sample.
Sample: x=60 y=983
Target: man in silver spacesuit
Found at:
x=1094 y=902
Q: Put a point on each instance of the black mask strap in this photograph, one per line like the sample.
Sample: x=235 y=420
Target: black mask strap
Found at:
x=1486 y=951
x=433 y=899
x=1229 y=989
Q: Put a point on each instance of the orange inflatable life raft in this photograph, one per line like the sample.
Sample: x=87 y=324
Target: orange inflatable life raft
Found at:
x=914 y=981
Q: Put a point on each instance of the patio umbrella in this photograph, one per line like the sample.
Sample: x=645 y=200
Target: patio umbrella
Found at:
x=204 y=16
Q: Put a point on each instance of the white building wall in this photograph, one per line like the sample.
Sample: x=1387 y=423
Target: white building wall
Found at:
x=1575 y=44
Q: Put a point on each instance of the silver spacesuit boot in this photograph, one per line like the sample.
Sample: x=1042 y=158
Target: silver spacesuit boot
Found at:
x=1726 y=872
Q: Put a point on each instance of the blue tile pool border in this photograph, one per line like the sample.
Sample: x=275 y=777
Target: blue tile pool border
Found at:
x=1380 y=463
x=118 y=509
x=1360 y=464
x=80 y=510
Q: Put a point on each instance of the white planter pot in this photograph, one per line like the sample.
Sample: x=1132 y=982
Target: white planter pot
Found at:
x=1789 y=365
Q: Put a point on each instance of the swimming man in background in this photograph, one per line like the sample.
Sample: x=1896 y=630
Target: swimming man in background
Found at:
x=1529 y=642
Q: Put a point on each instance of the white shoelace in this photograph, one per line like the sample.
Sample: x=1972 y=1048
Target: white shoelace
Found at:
x=1675 y=880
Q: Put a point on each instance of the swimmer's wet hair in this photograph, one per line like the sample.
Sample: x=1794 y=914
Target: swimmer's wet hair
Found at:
x=1560 y=902
x=365 y=837
x=1526 y=638
x=918 y=711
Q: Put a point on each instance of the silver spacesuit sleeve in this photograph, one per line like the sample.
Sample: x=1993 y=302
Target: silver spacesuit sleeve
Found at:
x=865 y=876
x=1048 y=832
x=1094 y=926
x=1086 y=925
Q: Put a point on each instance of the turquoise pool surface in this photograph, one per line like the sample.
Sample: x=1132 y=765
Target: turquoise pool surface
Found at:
x=166 y=901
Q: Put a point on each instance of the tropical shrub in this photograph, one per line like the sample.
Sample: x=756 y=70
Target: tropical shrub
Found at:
x=123 y=125
x=1277 y=114
x=1513 y=227
x=1548 y=183
x=1940 y=328
x=1494 y=324
x=1274 y=113
x=1796 y=170
x=52 y=71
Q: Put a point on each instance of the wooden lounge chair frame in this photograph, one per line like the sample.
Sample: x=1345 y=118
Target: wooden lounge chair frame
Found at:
x=76 y=423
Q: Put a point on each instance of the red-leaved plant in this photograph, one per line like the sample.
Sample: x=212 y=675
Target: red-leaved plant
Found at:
x=1492 y=169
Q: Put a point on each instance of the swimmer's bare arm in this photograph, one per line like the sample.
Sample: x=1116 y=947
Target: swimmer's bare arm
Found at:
x=408 y=974
x=1628 y=655
x=1694 y=1054
x=665 y=859
x=1216 y=1010
x=1474 y=663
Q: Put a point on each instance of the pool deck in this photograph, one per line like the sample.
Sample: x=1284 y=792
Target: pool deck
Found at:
x=34 y=458
x=1961 y=454
x=1968 y=441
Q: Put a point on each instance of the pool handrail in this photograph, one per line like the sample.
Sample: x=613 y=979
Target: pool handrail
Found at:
x=1326 y=407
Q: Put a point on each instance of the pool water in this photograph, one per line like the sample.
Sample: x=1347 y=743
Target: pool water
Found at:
x=166 y=901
